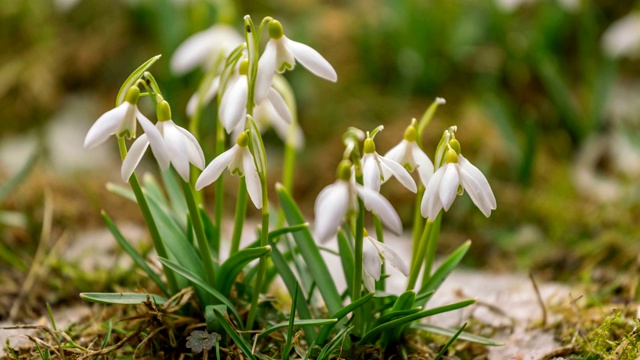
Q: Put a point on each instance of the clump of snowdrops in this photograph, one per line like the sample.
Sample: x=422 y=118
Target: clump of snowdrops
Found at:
x=250 y=95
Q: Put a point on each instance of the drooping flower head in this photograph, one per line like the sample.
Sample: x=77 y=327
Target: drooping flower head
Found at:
x=378 y=169
x=182 y=146
x=452 y=178
x=336 y=200
x=408 y=154
x=204 y=47
x=373 y=254
x=240 y=162
x=281 y=53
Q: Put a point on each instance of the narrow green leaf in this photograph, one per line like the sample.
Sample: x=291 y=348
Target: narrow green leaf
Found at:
x=450 y=332
x=19 y=177
x=107 y=337
x=286 y=348
x=346 y=259
x=200 y=282
x=453 y=338
x=230 y=269
x=137 y=258
x=282 y=325
x=444 y=270
x=174 y=190
x=122 y=298
x=326 y=330
x=394 y=314
x=309 y=251
x=135 y=76
x=291 y=283
x=121 y=191
x=332 y=346
x=220 y=310
x=372 y=335
x=404 y=303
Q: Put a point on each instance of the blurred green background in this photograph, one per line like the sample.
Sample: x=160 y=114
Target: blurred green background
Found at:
x=544 y=106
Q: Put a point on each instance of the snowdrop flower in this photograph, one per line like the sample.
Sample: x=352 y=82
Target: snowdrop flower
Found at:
x=281 y=54
x=622 y=38
x=233 y=106
x=183 y=148
x=336 y=200
x=377 y=169
x=266 y=115
x=409 y=155
x=240 y=162
x=202 y=48
x=445 y=182
x=373 y=253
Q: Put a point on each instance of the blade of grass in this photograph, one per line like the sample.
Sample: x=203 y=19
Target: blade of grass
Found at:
x=282 y=325
x=450 y=332
x=230 y=269
x=122 y=298
x=220 y=310
x=453 y=338
x=326 y=330
x=286 y=348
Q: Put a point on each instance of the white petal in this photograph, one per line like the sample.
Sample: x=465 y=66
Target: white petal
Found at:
x=330 y=208
x=371 y=172
x=391 y=257
x=156 y=140
x=233 y=107
x=368 y=281
x=193 y=52
x=215 y=168
x=371 y=259
x=399 y=172
x=398 y=153
x=431 y=204
x=279 y=105
x=208 y=96
x=425 y=166
x=311 y=59
x=133 y=157
x=196 y=156
x=266 y=68
x=382 y=207
x=449 y=185
x=480 y=179
x=254 y=186
x=176 y=145
x=105 y=126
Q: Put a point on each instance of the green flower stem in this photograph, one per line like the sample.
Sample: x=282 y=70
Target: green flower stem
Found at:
x=241 y=213
x=381 y=285
x=417 y=225
x=422 y=249
x=358 y=320
x=262 y=264
x=151 y=223
x=219 y=192
x=432 y=247
x=203 y=245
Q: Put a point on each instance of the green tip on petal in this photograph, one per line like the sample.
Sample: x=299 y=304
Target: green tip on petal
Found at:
x=365 y=232
x=243 y=139
x=455 y=145
x=411 y=134
x=275 y=29
x=244 y=67
x=132 y=96
x=451 y=156
x=344 y=170
x=369 y=146
x=163 y=110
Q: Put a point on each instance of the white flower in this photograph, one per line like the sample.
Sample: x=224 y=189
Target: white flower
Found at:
x=622 y=38
x=266 y=115
x=240 y=162
x=443 y=187
x=409 y=155
x=183 y=148
x=377 y=169
x=373 y=252
x=202 y=48
x=335 y=200
x=233 y=106
x=281 y=53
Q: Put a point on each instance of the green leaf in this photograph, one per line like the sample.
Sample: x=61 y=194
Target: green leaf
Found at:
x=372 y=334
x=121 y=191
x=444 y=270
x=394 y=314
x=137 y=258
x=174 y=190
x=307 y=322
x=230 y=269
x=450 y=332
x=328 y=350
x=346 y=259
x=135 y=76
x=291 y=283
x=19 y=177
x=221 y=310
x=326 y=330
x=453 y=338
x=309 y=251
x=200 y=282
x=404 y=304
x=122 y=298
x=286 y=348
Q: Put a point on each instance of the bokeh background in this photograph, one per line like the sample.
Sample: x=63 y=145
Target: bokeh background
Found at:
x=545 y=95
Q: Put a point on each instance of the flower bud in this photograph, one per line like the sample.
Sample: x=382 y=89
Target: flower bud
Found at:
x=163 y=111
x=275 y=29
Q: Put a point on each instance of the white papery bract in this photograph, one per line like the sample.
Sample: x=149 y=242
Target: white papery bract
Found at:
x=182 y=146
x=202 y=48
x=377 y=169
x=240 y=162
x=443 y=187
x=373 y=253
x=281 y=54
x=408 y=154
x=336 y=200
